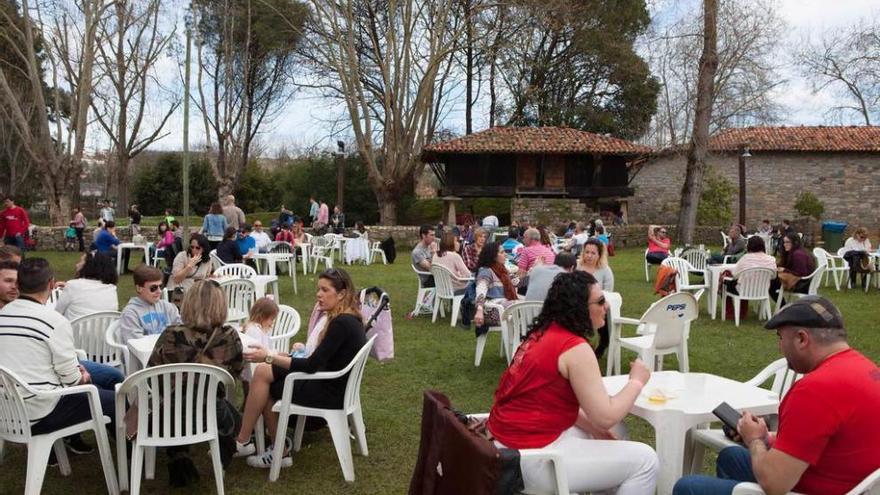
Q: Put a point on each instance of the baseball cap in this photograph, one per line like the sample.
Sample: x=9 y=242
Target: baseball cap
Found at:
x=808 y=312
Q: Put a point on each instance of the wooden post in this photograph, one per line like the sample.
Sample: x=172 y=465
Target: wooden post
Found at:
x=743 y=154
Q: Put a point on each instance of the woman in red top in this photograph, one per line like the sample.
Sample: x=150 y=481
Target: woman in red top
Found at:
x=552 y=395
x=658 y=244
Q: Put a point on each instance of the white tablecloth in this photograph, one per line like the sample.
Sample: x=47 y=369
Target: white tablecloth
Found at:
x=693 y=396
x=356 y=249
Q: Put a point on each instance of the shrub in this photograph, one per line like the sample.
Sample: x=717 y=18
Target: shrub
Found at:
x=808 y=205
x=158 y=185
x=714 y=207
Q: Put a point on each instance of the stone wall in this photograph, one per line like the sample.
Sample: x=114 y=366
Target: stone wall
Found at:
x=548 y=211
x=848 y=184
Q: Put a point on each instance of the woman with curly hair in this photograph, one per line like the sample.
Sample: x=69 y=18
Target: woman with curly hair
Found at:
x=493 y=283
x=552 y=396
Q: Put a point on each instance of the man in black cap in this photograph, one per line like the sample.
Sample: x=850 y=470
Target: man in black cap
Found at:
x=828 y=434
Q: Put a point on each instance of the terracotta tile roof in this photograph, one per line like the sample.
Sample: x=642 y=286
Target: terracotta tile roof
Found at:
x=806 y=138
x=535 y=140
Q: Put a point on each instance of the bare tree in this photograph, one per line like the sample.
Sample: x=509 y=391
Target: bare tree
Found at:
x=699 y=147
x=748 y=70
x=129 y=91
x=846 y=63
x=387 y=62
x=246 y=61
x=56 y=144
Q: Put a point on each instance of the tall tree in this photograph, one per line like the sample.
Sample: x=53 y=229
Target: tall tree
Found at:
x=847 y=63
x=699 y=146
x=56 y=144
x=386 y=60
x=129 y=89
x=246 y=60
x=749 y=32
x=573 y=63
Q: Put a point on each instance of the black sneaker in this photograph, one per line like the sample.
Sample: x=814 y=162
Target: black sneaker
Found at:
x=77 y=445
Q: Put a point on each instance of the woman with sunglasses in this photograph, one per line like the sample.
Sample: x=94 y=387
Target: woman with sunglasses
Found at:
x=658 y=244
x=337 y=344
x=191 y=265
x=552 y=396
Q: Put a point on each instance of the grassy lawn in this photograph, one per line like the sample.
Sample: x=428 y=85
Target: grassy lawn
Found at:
x=436 y=356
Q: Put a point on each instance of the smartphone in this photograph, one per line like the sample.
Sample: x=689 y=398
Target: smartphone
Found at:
x=728 y=415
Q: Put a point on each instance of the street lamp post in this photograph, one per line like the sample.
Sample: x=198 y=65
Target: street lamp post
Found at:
x=744 y=153
x=189 y=21
x=340 y=174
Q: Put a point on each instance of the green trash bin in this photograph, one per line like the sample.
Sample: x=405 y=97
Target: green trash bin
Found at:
x=832 y=235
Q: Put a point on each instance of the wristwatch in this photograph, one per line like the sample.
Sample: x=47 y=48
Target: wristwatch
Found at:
x=269 y=358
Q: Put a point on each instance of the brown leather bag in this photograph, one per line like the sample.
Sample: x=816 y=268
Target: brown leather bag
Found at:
x=788 y=279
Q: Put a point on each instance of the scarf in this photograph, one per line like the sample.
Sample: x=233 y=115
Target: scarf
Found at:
x=501 y=272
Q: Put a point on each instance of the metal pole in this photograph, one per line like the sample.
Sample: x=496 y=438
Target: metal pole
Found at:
x=186 y=134
x=742 y=186
x=340 y=174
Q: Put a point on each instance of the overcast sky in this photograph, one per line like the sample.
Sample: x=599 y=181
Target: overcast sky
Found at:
x=307 y=121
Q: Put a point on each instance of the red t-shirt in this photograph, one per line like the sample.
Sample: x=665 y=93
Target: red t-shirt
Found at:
x=534 y=404
x=656 y=247
x=829 y=419
x=14 y=221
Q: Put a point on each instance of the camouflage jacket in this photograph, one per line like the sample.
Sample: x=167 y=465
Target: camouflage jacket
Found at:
x=181 y=344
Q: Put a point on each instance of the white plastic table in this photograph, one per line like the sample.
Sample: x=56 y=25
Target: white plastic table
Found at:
x=715 y=272
x=305 y=248
x=693 y=397
x=142 y=348
x=120 y=249
x=356 y=249
x=271 y=261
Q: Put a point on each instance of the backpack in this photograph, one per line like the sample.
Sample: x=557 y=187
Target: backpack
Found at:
x=387 y=246
x=665 y=284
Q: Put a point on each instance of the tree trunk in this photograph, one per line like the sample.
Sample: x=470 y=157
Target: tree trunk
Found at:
x=388 y=210
x=696 y=158
x=469 y=70
x=121 y=176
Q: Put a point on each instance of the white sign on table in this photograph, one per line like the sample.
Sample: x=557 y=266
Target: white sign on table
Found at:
x=691 y=397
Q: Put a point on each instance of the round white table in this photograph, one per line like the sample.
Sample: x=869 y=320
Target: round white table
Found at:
x=693 y=396
x=142 y=348
x=122 y=247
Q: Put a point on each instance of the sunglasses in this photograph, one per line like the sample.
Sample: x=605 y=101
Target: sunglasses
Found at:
x=153 y=288
x=258 y=225
x=663 y=232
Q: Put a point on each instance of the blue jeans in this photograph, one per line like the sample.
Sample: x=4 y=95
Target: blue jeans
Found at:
x=104 y=377
x=16 y=240
x=734 y=465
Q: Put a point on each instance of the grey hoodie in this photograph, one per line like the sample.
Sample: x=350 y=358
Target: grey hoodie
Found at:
x=140 y=318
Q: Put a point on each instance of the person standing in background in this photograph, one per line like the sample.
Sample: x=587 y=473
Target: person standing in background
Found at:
x=323 y=214
x=79 y=225
x=107 y=213
x=234 y=215
x=313 y=209
x=14 y=224
x=135 y=217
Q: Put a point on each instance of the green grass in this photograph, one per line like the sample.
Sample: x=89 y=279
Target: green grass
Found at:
x=436 y=356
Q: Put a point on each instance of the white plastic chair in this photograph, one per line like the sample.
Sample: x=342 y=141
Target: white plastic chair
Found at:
x=845 y=263
x=698 y=258
x=423 y=294
x=216 y=262
x=240 y=296
x=481 y=340
x=285 y=248
x=515 y=321
x=90 y=335
x=663 y=329
x=340 y=421
x=376 y=249
x=725 y=239
x=322 y=252
x=713 y=438
x=53 y=297
x=334 y=245
x=15 y=427
x=158 y=257
x=553 y=456
x=683 y=269
x=647 y=267
x=752 y=284
x=177 y=405
x=815 y=279
x=445 y=291
x=869 y=486
x=237 y=270
x=835 y=267
x=111 y=338
x=615 y=302
x=286 y=326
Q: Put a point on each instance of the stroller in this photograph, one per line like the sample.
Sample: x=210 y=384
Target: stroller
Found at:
x=376 y=312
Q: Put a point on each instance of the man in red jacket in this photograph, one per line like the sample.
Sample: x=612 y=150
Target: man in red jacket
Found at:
x=14 y=223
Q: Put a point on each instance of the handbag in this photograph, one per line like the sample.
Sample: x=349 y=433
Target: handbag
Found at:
x=788 y=280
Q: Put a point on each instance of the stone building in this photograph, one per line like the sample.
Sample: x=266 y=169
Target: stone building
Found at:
x=551 y=174
x=840 y=165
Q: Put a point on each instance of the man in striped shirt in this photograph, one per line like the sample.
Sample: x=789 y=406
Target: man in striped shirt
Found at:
x=36 y=343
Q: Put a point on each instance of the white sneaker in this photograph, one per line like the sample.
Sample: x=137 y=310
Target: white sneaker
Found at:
x=244 y=449
x=265 y=461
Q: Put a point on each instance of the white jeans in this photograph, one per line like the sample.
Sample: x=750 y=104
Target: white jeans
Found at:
x=616 y=466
